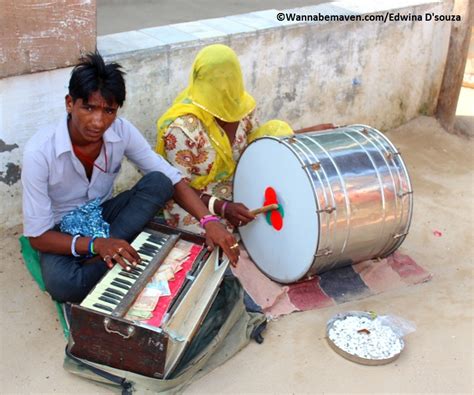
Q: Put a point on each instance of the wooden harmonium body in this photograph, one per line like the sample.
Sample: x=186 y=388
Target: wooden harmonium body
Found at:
x=142 y=321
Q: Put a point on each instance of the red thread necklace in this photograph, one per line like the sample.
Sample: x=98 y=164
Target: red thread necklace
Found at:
x=89 y=160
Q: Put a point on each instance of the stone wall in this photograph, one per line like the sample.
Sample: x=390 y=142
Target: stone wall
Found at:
x=39 y=35
x=380 y=74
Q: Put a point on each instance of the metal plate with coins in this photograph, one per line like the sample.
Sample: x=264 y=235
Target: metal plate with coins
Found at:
x=363 y=338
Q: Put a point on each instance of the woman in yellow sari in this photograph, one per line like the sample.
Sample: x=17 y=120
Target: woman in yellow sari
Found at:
x=206 y=130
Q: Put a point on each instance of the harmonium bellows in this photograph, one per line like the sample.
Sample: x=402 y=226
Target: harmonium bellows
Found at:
x=143 y=320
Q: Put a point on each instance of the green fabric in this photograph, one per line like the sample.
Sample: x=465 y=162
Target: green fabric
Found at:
x=32 y=263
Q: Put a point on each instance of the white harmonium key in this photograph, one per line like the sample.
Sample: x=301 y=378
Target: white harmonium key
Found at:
x=111 y=289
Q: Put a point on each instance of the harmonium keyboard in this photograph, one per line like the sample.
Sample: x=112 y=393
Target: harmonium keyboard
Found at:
x=143 y=320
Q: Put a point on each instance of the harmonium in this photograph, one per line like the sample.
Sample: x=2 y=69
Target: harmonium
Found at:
x=142 y=321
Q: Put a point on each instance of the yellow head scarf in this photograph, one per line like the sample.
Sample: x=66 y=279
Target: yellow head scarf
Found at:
x=215 y=90
x=275 y=127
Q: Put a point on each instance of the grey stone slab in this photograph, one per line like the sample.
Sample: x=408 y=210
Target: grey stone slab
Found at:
x=228 y=26
x=327 y=9
x=126 y=42
x=254 y=21
x=198 y=30
x=274 y=17
x=169 y=34
x=369 y=7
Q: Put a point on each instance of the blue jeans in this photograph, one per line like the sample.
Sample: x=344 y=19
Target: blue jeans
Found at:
x=69 y=279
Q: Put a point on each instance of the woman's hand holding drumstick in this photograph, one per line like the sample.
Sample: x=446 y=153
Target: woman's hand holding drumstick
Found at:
x=264 y=209
x=260 y=210
x=239 y=215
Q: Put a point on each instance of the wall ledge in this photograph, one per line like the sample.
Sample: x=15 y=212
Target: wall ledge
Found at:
x=199 y=33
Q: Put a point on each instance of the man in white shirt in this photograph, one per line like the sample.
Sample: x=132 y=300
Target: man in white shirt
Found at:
x=76 y=161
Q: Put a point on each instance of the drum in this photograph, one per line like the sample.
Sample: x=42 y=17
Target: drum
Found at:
x=344 y=196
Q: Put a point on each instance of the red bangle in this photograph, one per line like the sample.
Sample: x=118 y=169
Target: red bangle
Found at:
x=223 y=207
x=208 y=218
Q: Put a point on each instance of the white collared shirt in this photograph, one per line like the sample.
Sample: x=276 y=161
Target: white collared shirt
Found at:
x=55 y=181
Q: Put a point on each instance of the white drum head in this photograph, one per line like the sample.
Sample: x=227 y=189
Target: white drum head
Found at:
x=285 y=255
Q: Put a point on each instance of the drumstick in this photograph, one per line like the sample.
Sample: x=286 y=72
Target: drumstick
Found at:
x=264 y=209
x=317 y=128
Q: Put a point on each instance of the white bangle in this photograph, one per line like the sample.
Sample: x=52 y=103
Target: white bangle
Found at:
x=73 y=246
x=210 y=205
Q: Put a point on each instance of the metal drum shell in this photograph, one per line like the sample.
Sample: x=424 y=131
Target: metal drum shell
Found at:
x=362 y=190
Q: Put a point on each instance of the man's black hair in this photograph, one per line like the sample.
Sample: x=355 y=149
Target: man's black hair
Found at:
x=92 y=75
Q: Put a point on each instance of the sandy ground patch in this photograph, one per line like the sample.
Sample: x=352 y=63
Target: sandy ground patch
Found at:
x=295 y=356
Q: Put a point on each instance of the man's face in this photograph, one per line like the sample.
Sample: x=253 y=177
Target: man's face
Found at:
x=90 y=120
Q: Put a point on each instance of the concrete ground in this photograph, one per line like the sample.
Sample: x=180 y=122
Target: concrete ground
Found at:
x=464 y=123
x=114 y=16
x=295 y=357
